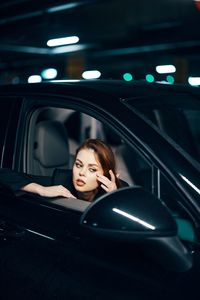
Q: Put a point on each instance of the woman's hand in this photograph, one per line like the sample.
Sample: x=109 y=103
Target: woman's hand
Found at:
x=48 y=191
x=107 y=184
x=56 y=191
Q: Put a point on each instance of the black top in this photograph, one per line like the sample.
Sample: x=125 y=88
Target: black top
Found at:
x=14 y=181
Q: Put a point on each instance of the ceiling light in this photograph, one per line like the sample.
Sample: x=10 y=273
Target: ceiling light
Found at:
x=34 y=79
x=63 y=41
x=170 y=79
x=93 y=74
x=128 y=77
x=194 y=80
x=165 y=69
x=149 y=78
x=50 y=73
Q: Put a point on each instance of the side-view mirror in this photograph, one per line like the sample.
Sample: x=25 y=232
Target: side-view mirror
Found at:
x=130 y=213
x=133 y=214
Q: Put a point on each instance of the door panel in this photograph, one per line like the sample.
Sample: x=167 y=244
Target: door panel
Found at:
x=38 y=214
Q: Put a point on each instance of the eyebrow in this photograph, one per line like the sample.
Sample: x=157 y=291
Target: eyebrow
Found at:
x=88 y=164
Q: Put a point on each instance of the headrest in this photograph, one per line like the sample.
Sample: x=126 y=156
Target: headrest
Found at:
x=51 y=144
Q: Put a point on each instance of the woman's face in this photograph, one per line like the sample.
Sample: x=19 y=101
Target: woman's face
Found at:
x=85 y=169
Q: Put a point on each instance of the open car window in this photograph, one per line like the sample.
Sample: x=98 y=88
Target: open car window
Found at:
x=54 y=134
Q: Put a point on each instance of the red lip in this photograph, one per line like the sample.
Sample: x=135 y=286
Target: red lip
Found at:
x=80 y=182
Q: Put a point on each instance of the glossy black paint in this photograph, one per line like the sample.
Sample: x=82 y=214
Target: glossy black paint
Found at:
x=39 y=215
x=129 y=214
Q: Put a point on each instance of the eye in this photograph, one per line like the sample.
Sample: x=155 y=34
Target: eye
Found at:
x=78 y=165
x=92 y=170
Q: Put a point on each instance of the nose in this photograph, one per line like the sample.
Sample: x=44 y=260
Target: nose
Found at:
x=82 y=171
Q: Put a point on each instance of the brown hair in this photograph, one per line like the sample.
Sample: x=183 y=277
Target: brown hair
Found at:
x=104 y=154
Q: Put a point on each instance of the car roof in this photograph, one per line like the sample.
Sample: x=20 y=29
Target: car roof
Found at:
x=116 y=88
x=124 y=89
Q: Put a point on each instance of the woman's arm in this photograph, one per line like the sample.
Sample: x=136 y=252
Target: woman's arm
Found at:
x=47 y=191
x=14 y=181
x=40 y=185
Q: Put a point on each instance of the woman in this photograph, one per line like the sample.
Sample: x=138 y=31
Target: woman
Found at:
x=92 y=175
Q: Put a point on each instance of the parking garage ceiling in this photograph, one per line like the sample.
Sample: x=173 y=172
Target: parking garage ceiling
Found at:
x=115 y=36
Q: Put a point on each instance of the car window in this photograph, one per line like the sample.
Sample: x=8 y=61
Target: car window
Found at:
x=187 y=230
x=55 y=133
x=178 y=116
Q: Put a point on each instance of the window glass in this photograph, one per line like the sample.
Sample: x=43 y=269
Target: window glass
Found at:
x=175 y=203
x=178 y=116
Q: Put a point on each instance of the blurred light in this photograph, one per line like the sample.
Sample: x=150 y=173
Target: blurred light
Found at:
x=63 y=41
x=15 y=80
x=34 y=79
x=197 y=2
x=49 y=73
x=194 y=80
x=68 y=49
x=65 y=80
x=149 y=78
x=170 y=79
x=128 y=77
x=165 y=69
x=163 y=82
x=93 y=74
x=61 y=7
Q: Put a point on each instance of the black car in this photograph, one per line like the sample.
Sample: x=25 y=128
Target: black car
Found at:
x=138 y=242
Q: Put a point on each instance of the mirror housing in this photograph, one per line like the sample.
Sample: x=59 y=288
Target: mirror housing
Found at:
x=130 y=213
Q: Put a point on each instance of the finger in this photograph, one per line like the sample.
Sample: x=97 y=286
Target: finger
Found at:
x=112 y=176
x=103 y=179
x=72 y=196
x=66 y=193
x=105 y=188
x=69 y=196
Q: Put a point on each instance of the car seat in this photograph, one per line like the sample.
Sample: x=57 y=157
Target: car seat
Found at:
x=51 y=148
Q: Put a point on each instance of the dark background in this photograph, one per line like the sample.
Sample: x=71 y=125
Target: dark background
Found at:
x=116 y=36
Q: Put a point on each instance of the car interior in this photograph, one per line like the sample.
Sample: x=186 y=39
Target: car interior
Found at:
x=54 y=134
